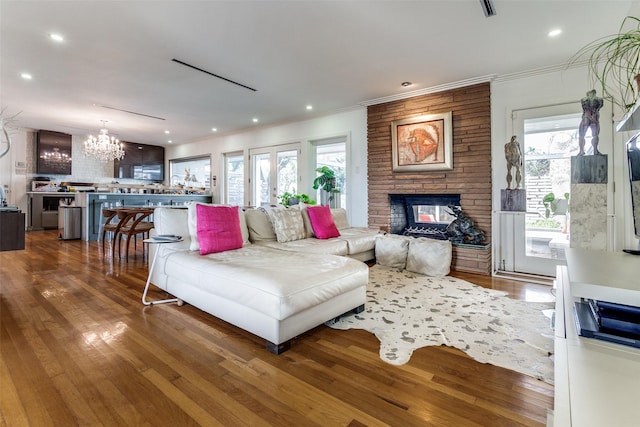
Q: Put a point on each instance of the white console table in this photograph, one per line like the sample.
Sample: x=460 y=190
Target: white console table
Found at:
x=597 y=383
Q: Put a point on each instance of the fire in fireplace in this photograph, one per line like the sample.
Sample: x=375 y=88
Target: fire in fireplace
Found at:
x=422 y=215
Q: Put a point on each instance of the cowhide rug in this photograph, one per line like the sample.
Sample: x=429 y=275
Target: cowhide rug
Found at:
x=407 y=311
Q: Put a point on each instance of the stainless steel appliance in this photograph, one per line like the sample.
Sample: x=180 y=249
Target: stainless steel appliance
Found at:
x=69 y=222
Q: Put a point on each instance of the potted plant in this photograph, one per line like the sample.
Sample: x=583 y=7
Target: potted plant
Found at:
x=326 y=181
x=614 y=61
x=555 y=206
x=289 y=199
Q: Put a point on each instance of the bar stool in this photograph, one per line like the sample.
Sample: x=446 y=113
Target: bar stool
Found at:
x=134 y=222
x=111 y=222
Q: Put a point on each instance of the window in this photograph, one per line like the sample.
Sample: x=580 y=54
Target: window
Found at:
x=333 y=153
x=234 y=184
x=191 y=172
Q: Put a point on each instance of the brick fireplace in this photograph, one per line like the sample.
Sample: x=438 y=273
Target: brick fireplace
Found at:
x=471 y=174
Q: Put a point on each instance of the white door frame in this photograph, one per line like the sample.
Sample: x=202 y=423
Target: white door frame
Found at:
x=513 y=253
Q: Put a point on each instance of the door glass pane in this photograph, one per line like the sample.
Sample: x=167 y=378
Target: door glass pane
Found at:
x=261 y=179
x=287 y=171
x=235 y=179
x=334 y=156
x=549 y=143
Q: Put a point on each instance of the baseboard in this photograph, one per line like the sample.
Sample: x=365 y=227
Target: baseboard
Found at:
x=524 y=277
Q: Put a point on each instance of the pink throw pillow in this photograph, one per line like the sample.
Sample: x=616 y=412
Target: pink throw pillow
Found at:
x=218 y=228
x=322 y=222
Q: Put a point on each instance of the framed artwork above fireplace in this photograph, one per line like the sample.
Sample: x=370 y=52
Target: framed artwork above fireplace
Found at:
x=422 y=143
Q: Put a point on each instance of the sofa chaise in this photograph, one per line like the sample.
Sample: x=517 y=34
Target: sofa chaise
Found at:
x=276 y=288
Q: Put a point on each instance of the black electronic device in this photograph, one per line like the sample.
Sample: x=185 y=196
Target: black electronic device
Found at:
x=620 y=326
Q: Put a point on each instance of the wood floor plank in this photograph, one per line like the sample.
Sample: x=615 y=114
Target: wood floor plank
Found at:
x=360 y=380
x=77 y=347
x=199 y=415
x=314 y=404
x=39 y=397
x=12 y=413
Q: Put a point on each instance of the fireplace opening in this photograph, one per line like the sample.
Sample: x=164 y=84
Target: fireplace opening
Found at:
x=422 y=215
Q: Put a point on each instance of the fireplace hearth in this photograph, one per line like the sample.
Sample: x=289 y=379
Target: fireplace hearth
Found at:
x=422 y=215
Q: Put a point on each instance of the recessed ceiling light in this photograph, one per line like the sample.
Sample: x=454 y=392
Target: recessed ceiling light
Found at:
x=405 y=84
x=26 y=76
x=255 y=120
x=309 y=107
x=214 y=129
x=167 y=132
x=555 y=33
x=170 y=141
x=56 y=37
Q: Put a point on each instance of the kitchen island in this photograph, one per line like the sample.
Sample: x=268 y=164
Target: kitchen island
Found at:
x=92 y=204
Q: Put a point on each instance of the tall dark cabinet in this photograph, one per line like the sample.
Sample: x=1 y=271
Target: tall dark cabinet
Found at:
x=11 y=231
x=141 y=161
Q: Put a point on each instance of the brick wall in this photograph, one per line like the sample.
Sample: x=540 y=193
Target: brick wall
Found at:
x=471 y=174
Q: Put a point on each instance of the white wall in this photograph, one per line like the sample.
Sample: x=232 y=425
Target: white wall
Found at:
x=352 y=123
x=548 y=88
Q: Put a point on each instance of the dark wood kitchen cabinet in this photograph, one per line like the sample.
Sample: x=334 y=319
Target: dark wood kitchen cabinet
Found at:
x=53 y=152
x=12 y=227
x=141 y=161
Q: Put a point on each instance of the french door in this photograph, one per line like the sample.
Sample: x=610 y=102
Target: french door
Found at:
x=549 y=140
x=274 y=170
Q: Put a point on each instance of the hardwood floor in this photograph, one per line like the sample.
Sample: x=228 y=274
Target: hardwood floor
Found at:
x=79 y=348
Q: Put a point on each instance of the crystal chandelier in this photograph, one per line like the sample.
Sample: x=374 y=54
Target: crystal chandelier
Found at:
x=103 y=147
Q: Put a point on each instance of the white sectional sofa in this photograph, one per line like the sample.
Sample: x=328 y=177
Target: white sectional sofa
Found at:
x=276 y=290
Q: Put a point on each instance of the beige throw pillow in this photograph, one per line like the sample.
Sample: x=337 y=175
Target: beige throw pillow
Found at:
x=308 y=229
x=259 y=225
x=429 y=256
x=340 y=218
x=288 y=224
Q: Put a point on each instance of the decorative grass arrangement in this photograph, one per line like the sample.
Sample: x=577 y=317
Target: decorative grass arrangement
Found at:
x=614 y=63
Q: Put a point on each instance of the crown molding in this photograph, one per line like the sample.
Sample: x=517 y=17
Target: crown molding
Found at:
x=541 y=70
x=429 y=90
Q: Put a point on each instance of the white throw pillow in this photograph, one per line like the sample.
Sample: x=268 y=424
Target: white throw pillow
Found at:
x=172 y=221
x=392 y=249
x=193 y=227
x=288 y=224
x=429 y=256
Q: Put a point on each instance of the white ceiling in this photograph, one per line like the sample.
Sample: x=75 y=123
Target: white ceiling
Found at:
x=333 y=55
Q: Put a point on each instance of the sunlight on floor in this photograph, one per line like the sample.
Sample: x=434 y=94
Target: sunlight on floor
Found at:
x=538 y=295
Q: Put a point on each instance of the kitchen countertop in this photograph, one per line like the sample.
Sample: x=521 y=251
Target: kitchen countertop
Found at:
x=53 y=193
